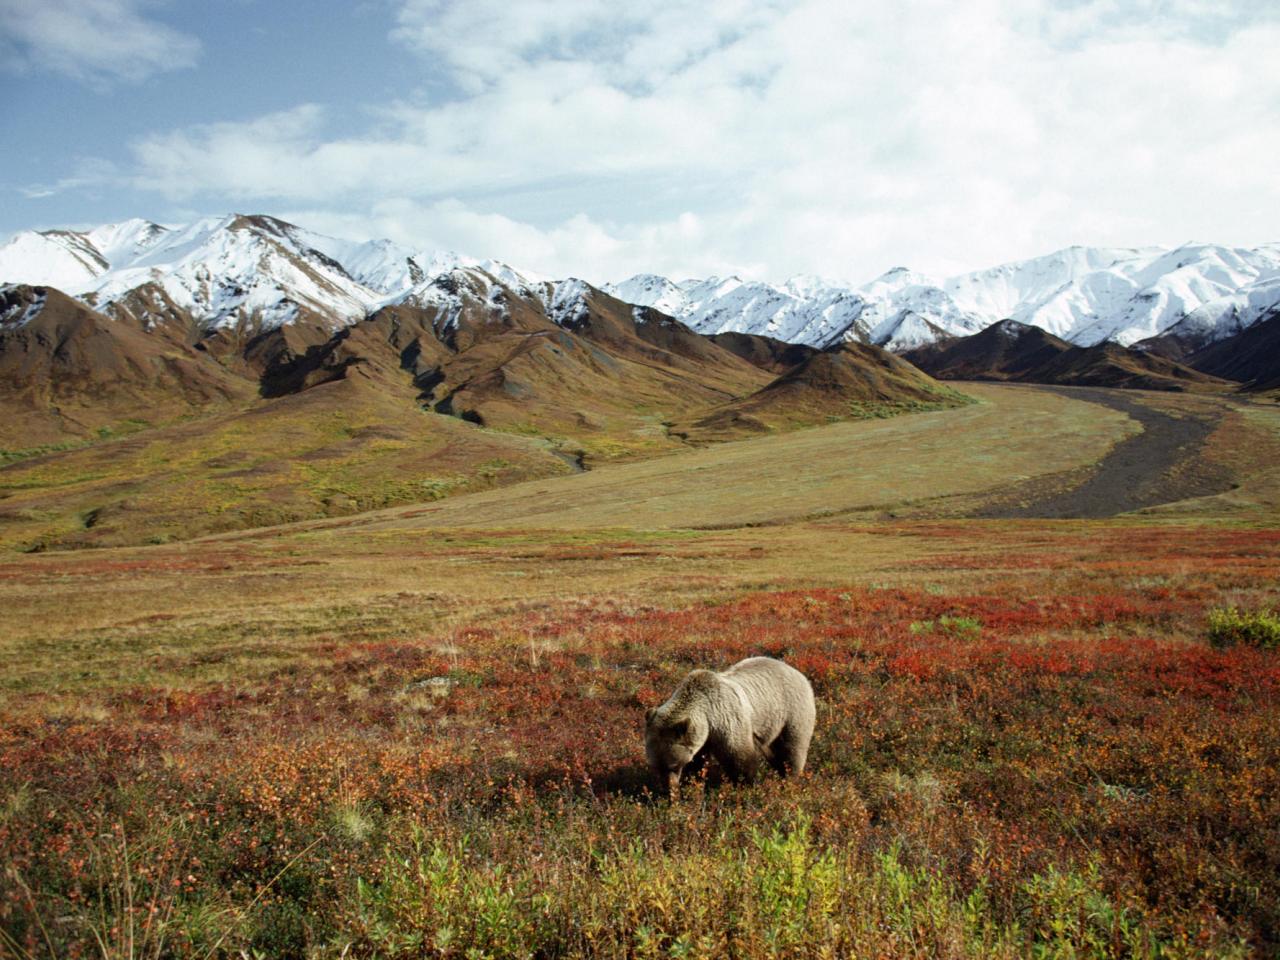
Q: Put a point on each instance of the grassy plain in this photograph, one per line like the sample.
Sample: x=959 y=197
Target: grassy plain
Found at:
x=400 y=734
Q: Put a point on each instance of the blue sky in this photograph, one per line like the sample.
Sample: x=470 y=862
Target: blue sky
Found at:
x=600 y=139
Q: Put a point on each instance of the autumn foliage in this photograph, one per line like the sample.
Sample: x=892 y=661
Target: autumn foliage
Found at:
x=997 y=772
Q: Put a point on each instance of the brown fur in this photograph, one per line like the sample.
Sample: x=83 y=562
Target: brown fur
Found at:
x=758 y=711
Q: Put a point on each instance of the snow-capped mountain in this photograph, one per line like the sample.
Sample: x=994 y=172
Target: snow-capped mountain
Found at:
x=227 y=271
x=1083 y=294
x=802 y=310
x=263 y=273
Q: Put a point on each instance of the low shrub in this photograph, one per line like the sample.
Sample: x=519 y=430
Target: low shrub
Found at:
x=1229 y=627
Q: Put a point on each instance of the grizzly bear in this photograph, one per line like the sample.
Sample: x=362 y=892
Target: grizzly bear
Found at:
x=758 y=710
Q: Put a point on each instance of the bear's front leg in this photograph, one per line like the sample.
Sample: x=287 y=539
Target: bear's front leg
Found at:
x=695 y=766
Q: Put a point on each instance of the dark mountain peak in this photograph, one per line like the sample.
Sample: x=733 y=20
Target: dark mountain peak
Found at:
x=1006 y=350
x=1016 y=330
x=1009 y=350
x=1011 y=327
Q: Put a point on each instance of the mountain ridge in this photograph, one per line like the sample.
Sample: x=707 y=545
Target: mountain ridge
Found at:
x=257 y=272
x=1085 y=295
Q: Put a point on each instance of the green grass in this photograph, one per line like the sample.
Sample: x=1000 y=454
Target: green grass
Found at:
x=881 y=410
x=959 y=627
x=1229 y=627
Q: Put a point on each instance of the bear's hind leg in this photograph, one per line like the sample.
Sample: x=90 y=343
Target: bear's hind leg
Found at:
x=775 y=754
x=740 y=761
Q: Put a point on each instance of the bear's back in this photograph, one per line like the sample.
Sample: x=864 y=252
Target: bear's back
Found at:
x=772 y=687
x=765 y=669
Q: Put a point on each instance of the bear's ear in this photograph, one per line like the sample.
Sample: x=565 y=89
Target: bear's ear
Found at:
x=648 y=714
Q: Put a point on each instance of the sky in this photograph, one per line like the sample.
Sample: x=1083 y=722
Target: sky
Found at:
x=762 y=138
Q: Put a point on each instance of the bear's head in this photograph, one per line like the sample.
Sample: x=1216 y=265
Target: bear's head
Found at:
x=670 y=743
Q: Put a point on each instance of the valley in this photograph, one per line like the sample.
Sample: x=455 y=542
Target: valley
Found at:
x=328 y=735
x=338 y=581
x=724 y=517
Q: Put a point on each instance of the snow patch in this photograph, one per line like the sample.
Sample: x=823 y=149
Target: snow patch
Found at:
x=568 y=306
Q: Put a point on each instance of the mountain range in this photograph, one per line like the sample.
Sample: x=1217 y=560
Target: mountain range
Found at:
x=1084 y=295
x=260 y=272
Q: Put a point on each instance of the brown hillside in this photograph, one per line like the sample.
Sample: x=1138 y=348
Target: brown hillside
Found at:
x=1111 y=365
x=654 y=339
x=602 y=384
x=852 y=380
x=67 y=372
x=1007 y=350
x=1251 y=356
x=776 y=356
x=1023 y=353
x=398 y=347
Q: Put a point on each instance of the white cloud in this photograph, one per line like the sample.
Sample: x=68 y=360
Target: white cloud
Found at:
x=89 y=173
x=770 y=137
x=577 y=246
x=96 y=41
